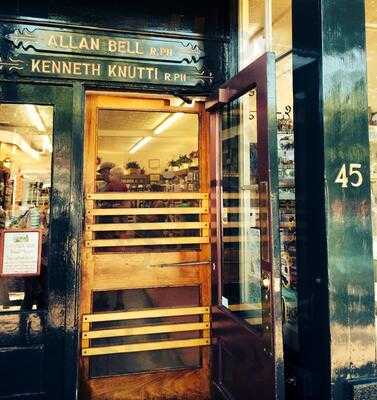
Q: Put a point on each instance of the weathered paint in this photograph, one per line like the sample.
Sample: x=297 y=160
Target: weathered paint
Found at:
x=336 y=295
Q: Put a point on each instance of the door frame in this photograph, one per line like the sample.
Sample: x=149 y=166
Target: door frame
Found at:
x=96 y=100
x=260 y=74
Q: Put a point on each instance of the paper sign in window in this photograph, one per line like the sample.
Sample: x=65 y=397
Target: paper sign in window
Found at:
x=20 y=252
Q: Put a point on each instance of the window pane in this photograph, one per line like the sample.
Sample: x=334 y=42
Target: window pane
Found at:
x=148 y=152
x=245 y=233
x=25 y=186
x=253 y=33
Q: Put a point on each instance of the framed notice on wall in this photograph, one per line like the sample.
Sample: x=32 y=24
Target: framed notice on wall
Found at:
x=20 y=252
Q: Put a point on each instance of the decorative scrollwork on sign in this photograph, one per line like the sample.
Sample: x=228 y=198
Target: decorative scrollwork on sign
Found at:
x=11 y=65
x=24 y=37
x=193 y=50
x=204 y=77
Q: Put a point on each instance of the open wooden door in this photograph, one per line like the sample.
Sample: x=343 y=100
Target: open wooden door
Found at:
x=145 y=303
x=247 y=318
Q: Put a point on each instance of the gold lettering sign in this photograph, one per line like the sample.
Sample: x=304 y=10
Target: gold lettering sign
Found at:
x=73 y=54
x=46 y=39
x=107 y=70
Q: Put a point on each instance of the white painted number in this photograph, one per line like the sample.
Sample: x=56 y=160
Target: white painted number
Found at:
x=354 y=170
x=343 y=179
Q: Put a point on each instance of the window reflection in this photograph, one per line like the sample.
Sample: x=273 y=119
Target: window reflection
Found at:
x=25 y=183
x=245 y=238
x=253 y=33
x=371 y=45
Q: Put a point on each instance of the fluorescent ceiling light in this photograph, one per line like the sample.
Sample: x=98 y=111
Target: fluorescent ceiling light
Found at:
x=138 y=145
x=47 y=145
x=35 y=117
x=171 y=119
x=165 y=124
x=168 y=122
x=17 y=140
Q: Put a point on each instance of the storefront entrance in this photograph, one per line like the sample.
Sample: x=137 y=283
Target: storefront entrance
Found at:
x=146 y=259
x=166 y=218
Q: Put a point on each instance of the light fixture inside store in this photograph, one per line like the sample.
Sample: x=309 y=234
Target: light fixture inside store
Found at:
x=171 y=119
x=35 y=117
x=17 y=140
x=138 y=145
x=47 y=145
x=167 y=123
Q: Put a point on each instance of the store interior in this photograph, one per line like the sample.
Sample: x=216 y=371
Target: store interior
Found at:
x=25 y=186
x=25 y=161
x=149 y=151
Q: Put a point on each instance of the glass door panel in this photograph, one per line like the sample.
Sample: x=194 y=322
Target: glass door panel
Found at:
x=247 y=319
x=243 y=226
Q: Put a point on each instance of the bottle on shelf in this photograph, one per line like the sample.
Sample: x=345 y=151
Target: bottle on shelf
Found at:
x=34 y=217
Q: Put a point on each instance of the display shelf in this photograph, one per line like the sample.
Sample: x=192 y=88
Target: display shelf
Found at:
x=287 y=209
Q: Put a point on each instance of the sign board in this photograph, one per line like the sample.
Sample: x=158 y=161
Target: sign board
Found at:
x=20 y=252
x=47 y=39
x=87 y=55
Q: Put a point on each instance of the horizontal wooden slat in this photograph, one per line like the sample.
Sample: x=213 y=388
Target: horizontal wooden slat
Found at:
x=232 y=210
x=148 y=313
x=147 y=211
x=135 y=347
x=148 y=226
x=146 y=241
x=145 y=330
x=231 y=239
x=246 y=307
x=254 y=321
x=232 y=224
x=146 y=196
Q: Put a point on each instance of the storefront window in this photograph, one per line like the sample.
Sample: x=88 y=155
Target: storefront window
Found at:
x=25 y=183
x=371 y=44
x=264 y=26
x=245 y=237
x=267 y=26
x=148 y=152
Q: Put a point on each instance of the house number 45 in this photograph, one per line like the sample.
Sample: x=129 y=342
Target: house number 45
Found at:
x=352 y=175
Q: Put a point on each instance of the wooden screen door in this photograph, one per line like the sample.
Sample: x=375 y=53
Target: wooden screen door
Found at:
x=145 y=302
x=247 y=318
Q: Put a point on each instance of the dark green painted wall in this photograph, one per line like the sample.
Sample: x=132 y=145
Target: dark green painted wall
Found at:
x=336 y=277
x=33 y=342
x=48 y=356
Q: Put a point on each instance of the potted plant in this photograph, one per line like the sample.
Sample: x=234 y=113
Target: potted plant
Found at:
x=133 y=167
x=194 y=157
x=184 y=161
x=174 y=165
